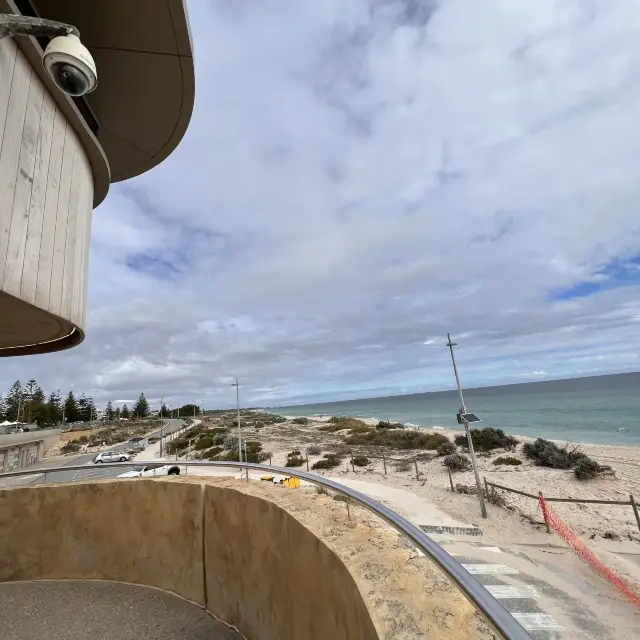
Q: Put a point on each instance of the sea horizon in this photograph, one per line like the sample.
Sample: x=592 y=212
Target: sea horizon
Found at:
x=596 y=409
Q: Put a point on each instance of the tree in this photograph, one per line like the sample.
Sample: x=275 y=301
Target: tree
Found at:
x=34 y=402
x=189 y=410
x=163 y=410
x=141 y=408
x=71 y=408
x=3 y=414
x=125 y=412
x=13 y=401
x=109 y=413
x=117 y=414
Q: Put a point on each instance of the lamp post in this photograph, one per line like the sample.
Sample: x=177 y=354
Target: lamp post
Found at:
x=463 y=413
x=161 y=425
x=236 y=384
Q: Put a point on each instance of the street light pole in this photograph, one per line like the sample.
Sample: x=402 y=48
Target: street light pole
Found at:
x=161 y=425
x=236 y=384
x=463 y=411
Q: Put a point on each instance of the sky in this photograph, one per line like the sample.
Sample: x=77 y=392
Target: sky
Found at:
x=360 y=178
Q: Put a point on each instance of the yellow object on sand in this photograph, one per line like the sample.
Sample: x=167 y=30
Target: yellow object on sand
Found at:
x=292 y=483
x=267 y=478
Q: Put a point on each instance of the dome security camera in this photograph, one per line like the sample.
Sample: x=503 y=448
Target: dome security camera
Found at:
x=70 y=65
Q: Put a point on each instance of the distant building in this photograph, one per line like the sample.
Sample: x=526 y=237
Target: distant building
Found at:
x=20 y=450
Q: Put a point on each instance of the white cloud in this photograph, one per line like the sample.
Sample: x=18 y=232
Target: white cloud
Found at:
x=360 y=178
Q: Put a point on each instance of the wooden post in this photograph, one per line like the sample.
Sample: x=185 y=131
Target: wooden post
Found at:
x=269 y=460
x=634 y=504
x=415 y=461
x=348 y=509
x=450 y=479
x=486 y=487
x=307 y=462
x=353 y=466
x=545 y=515
x=384 y=464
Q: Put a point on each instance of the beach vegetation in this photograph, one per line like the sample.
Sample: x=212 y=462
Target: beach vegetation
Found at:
x=326 y=463
x=300 y=420
x=457 y=462
x=361 y=461
x=588 y=469
x=294 y=461
x=397 y=439
x=403 y=465
x=488 y=439
x=314 y=450
x=385 y=424
x=446 y=448
x=508 y=460
x=545 y=453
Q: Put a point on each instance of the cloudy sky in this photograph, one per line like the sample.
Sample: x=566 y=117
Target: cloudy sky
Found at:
x=361 y=177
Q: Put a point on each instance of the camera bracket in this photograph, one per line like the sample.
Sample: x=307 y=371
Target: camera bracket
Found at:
x=13 y=25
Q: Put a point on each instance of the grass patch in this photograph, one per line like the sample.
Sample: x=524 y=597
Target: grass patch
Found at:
x=389 y=425
x=301 y=420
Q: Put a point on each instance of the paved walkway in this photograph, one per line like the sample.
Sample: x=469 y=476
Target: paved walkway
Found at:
x=76 y=610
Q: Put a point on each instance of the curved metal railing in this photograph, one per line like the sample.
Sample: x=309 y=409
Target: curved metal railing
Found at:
x=496 y=614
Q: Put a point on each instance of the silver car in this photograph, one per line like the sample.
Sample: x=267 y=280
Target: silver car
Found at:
x=111 y=456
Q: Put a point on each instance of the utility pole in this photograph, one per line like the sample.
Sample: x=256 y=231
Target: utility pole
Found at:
x=236 y=384
x=161 y=425
x=463 y=411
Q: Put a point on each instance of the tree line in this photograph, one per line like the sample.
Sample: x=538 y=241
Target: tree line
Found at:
x=28 y=403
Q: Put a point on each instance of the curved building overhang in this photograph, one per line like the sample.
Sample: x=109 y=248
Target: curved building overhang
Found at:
x=146 y=82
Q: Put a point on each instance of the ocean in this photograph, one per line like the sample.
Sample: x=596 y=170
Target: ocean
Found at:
x=591 y=410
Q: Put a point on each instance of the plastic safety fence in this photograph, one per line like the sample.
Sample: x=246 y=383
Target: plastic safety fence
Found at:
x=567 y=534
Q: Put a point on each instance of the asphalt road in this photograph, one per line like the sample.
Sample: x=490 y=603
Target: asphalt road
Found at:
x=97 y=470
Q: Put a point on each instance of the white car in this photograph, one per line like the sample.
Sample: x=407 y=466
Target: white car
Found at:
x=111 y=456
x=151 y=470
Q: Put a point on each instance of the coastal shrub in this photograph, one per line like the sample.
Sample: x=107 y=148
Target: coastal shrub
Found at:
x=338 y=451
x=326 y=463
x=389 y=425
x=587 y=469
x=322 y=491
x=487 y=439
x=314 y=450
x=212 y=454
x=294 y=461
x=294 y=454
x=457 y=462
x=397 y=439
x=340 y=497
x=460 y=440
x=446 y=448
x=361 y=461
x=337 y=419
x=508 y=460
x=300 y=420
x=338 y=424
x=545 y=453
x=219 y=439
x=205 y=442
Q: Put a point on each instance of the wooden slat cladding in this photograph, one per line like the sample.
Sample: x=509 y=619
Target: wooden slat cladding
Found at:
x=46 y=198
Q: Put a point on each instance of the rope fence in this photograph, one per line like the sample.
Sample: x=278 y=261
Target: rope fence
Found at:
x=554 y=522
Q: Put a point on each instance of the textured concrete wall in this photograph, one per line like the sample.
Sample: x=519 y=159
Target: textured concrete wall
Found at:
x=143 y=532
x=272 y=578
x=266 y=573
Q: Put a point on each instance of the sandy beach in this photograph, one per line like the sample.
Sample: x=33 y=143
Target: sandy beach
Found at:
x=595 y=522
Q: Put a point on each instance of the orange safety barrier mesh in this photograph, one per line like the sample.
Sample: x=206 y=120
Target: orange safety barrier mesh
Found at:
x=567 y=534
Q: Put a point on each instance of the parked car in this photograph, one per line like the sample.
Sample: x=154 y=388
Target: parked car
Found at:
x=152 y=470
x=111 y=456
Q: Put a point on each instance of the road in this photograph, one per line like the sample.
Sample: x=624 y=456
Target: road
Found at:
x=95 y=470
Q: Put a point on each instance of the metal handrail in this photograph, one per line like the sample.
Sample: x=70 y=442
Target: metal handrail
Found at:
x=496 y=614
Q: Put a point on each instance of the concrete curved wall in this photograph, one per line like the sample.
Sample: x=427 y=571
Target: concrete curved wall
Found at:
x=245 y=559
x=46 y=201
